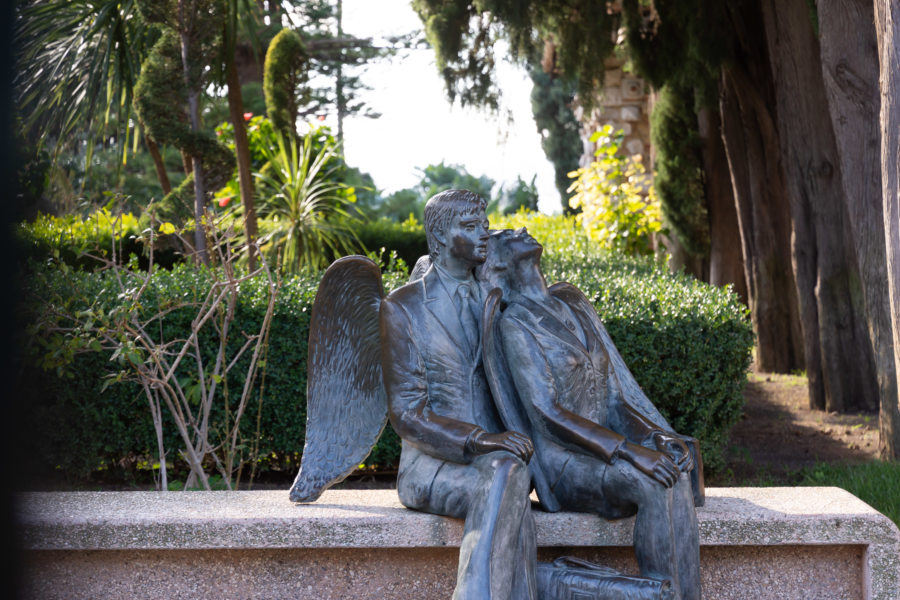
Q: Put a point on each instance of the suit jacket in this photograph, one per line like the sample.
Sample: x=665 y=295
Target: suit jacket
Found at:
x=434 y=379
x=572 y=391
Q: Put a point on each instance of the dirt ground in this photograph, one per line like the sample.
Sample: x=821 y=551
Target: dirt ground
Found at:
x=778 y=434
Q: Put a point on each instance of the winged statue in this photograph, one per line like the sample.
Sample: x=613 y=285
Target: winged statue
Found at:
x=346 y=405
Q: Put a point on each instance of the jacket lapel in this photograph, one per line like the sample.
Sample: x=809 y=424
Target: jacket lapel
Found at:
x=439 y=303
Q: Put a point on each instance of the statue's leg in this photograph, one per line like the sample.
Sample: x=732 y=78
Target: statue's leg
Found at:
x=497 y=555
x=665 y=528
x=687 y=538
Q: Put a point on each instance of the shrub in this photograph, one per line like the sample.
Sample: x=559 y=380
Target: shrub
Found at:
x=70 y=239
x=78 y=422
x=687 y=343
x=407 y=239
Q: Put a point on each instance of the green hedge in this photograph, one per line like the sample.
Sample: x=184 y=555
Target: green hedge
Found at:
x=66 y=239
x=687 y=343
x=71 y=239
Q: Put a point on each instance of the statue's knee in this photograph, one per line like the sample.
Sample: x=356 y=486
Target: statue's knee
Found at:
x=505 y=465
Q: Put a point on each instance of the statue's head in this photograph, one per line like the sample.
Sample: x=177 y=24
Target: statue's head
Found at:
x=445 y=210
x=508 y=251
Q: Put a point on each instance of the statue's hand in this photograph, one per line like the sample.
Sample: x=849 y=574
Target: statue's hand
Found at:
x=514 y=442
x=656 y=465
x=672 y=445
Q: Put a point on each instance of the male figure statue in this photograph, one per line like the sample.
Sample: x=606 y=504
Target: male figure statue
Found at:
x=456 y=459
x=598 y=451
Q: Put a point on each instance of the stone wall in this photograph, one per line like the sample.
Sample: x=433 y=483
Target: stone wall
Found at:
x=624 y=103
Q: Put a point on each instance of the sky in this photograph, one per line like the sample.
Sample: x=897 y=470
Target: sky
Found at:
x=419 y=127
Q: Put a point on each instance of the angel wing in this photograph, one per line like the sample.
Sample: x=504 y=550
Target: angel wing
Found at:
x=505 y=397
x=346 y=405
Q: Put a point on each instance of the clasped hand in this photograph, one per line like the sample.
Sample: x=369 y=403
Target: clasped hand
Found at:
x=514 y=442
x=663 y=465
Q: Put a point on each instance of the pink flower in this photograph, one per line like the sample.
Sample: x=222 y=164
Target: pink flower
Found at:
x=223 y=202
x=248 y=116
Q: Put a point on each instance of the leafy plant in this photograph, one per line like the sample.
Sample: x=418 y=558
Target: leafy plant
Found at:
x=132 y=333
x=305 y=209
x=616 y=196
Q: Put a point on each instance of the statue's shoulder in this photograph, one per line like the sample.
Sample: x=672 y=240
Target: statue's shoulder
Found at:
x=411 y=292
x=571 y=295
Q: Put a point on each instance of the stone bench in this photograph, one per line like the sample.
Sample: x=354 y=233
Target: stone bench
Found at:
x=756 y=543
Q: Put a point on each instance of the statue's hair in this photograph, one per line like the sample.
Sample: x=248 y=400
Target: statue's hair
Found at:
x=443 y=207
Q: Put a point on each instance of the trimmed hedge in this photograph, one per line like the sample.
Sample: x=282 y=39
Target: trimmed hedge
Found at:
x=687 y=343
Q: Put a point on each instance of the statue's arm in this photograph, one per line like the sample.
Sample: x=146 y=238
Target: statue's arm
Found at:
x=533 y=378
x=407 y=392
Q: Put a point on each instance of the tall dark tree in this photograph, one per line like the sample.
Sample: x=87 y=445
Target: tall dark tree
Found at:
x=811 y=277
x=887 y=28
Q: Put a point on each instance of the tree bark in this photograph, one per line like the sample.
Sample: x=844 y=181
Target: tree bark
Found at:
x=242 y=146
x=839 y=362
x=726 y=261
x=159 y=164
x=751 y=146
x=849 y=50
x=887 y=26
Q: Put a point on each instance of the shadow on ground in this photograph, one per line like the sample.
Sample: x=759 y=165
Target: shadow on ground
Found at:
x=779 y=435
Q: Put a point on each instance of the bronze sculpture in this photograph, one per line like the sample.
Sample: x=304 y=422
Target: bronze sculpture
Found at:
x=466 y=450
x=555 y=372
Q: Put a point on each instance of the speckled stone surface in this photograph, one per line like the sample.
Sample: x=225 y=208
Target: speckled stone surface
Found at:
x=756 y=543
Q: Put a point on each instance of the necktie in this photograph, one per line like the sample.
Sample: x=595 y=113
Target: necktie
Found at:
x=466 y=310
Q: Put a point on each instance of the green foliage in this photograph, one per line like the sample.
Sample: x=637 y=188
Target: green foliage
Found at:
x=521 y=196
x=75 y=242
x=876 y=483
x=551 y=104
x=679 y=168
x=78 y=420
x=687 y=343
x=303 y=209
x=160 y=101
x=384 y=236
x=440 y=177
x=284 y=80
x=619 y=208
x=463 y=35
x=77 y=63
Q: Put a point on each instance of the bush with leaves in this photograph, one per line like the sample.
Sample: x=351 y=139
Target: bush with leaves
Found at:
x=687 y=343
x=86 y=243
x=619 y=207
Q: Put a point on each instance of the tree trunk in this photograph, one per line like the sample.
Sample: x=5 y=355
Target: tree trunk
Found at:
x=751 y=147
x=242 y=146
x=850 y=70
x=887 y=26
x=839 y=362
x=159 y=164
x=726 y=261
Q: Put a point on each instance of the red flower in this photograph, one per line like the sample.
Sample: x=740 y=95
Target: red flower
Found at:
x=223 y=202
x=248 y=116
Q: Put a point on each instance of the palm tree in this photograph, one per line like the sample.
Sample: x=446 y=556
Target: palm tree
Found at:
x=305 y=207
x=77 y=65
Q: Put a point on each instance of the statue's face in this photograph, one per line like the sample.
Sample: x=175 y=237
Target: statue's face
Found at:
x=507 y=248
x=466 y=238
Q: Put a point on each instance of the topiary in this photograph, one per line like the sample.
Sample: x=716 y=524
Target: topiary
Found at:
x=284 y=79
x=160 y=98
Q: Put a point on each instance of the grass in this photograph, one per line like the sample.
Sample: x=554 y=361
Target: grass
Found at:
x=876 y=483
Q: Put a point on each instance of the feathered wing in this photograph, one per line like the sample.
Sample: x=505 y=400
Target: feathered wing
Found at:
x=346 y=405
x=506 y=399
